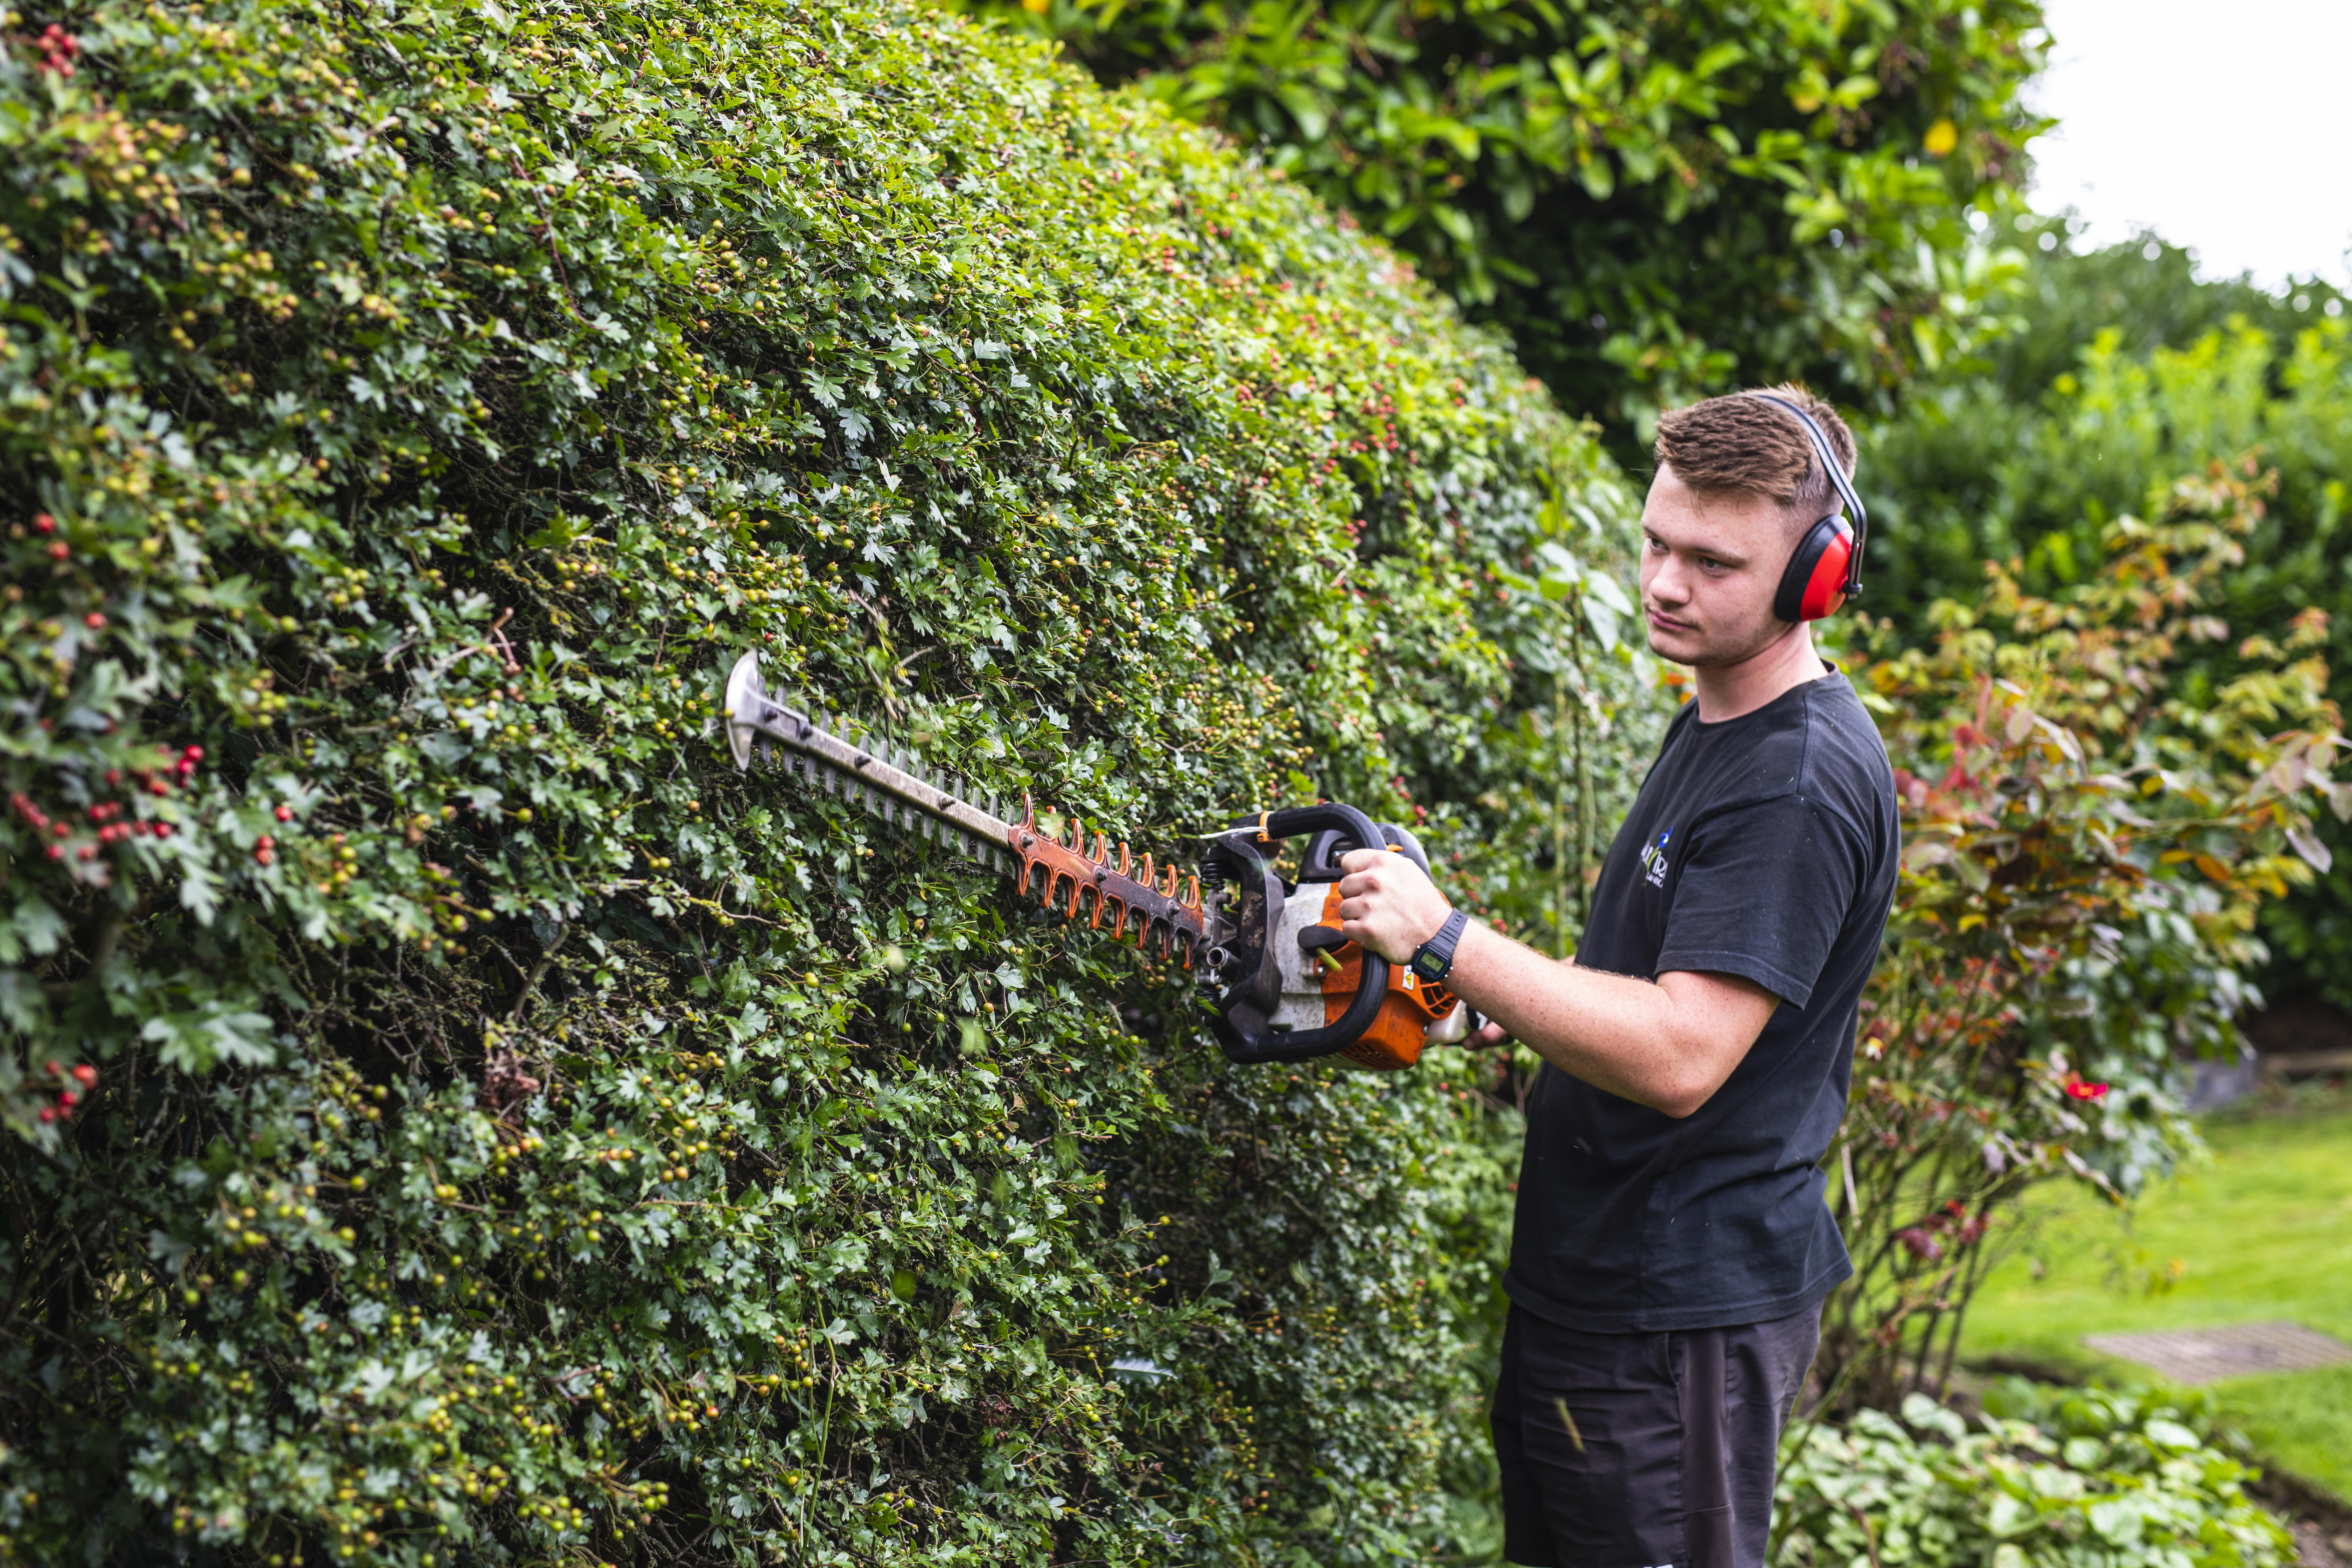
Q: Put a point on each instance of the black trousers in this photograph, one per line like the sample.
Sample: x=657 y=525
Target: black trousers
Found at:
x=1644 y=1450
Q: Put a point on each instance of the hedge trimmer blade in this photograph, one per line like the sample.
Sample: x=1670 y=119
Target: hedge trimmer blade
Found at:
x=893 y=786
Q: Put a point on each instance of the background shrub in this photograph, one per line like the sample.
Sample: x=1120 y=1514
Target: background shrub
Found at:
x=2054 y=1478
x=2129 y=373
x=2090 y=830
x=453 y=1116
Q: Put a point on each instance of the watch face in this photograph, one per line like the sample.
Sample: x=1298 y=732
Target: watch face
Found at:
x=1429 y=963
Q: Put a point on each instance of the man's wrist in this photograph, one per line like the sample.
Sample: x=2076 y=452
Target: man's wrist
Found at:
x=1433 y=959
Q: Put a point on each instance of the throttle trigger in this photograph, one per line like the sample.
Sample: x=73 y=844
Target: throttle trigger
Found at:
x=1319 y=939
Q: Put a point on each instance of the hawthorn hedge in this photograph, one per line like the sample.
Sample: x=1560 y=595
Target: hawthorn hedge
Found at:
x=451 y=1115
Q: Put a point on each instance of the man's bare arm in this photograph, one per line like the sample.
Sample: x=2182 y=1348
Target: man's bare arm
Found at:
x=1668 y=1045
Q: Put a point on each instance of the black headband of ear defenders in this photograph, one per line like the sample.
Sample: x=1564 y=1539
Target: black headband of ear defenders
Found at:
x=1853 y=587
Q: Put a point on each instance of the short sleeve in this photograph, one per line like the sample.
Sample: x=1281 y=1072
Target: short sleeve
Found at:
x=1763 y=894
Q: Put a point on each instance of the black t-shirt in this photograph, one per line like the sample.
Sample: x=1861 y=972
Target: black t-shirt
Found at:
x=1764 y=846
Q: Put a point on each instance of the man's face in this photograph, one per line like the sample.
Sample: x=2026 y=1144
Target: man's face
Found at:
x=1709 y=567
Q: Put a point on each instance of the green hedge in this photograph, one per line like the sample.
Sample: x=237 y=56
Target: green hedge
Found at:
x=453 y=1116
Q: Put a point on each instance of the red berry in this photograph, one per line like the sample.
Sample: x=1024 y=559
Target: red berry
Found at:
x=284 y=813
x=193 y=754
x=58 y=552
x=51 y=1067
x=44 y=523
x=93 y=620
x=56 y=851
x=157 y=786
x=86 y=1074
x=162 y=830
x=114 y=775
x=60 y=828
x=69 y=1099
x=48 y=1113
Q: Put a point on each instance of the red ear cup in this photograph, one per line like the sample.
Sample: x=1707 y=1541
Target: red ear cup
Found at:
x=1809 y=588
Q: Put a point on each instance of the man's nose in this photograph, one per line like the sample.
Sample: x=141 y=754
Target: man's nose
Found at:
x=1667 y=582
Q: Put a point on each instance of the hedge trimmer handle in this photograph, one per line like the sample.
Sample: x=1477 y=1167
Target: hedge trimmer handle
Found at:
x=1247 y=963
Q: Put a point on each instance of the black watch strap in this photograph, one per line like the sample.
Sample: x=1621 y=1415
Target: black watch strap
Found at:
x=1432 y=958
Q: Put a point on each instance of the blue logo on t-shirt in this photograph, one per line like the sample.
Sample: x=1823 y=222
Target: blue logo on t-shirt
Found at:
x=1654 y=858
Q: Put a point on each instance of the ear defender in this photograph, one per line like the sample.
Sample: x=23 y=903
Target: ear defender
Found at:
x=1826 y=570
x=1814 y=584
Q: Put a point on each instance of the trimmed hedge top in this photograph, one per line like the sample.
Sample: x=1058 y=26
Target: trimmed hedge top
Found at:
x=453 y=1116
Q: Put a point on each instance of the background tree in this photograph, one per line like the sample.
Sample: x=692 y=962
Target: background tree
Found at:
x=1656 y=202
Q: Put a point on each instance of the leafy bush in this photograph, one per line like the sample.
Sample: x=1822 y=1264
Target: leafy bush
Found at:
x=2038 y=473
x=2127 y=373
x=1656 y=202
x=2055 y=1478
x=453 y=1116
x=2088 y=837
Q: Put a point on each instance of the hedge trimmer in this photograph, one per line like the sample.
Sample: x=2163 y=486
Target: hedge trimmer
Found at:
x=1282 y=983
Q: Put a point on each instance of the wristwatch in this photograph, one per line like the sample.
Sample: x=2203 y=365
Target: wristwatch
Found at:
x=1435 y=957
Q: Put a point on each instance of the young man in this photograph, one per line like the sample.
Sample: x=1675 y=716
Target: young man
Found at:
x=1673 y=1241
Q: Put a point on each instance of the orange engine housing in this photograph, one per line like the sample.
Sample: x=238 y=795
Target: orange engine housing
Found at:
x=1394 y=1041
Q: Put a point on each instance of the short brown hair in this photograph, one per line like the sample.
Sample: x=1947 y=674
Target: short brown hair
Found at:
x=1741 y=445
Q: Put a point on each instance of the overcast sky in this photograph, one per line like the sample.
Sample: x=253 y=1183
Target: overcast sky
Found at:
x=2218 y=123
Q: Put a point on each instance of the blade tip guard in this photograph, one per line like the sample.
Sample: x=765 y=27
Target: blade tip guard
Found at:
x=743 y=695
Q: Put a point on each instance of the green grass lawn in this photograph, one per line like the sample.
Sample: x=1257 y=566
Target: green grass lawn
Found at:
x=2263 y=1232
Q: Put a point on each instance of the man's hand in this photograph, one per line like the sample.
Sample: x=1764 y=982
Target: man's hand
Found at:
x=1388 y=904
